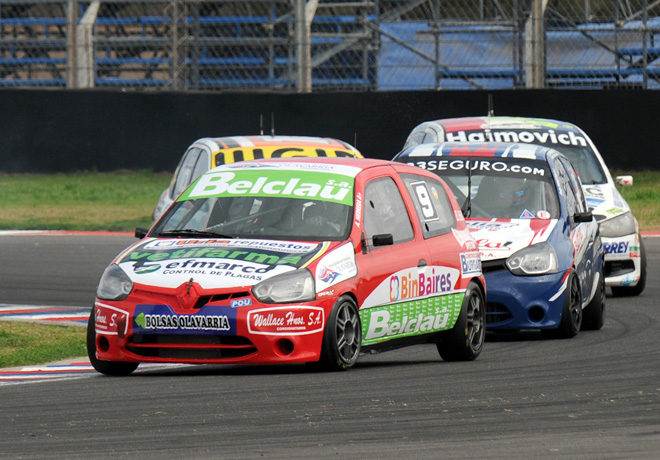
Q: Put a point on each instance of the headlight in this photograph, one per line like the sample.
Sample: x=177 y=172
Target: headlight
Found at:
x=618 y=226
x=114 y=284
x=538 y=259
x=295 y=286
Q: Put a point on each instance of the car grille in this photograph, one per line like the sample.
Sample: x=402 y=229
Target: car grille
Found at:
x=496 y=313
x=618 y=267
x=492 y=265
x=195 y=303
x=190 y=347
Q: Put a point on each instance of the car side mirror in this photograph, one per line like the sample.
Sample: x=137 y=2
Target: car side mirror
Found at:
x=624 y=181
x=141 y=232
x=583 y=216
x=383 y=239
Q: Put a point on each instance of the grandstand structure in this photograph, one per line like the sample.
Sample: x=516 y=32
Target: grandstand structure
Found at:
x=329 y=45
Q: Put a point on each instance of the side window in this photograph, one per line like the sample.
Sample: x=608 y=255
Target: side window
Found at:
x=201 y=166
x=581 y=202
x=185 y=170
x=566 y=188
x=432 y=205
x=385 y=211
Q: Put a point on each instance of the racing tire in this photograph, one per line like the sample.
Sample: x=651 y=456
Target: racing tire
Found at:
x=571 y=317
x=593 y=316
x=342 y=338
x=465 y=340
x=630 y=291
x=113 y=368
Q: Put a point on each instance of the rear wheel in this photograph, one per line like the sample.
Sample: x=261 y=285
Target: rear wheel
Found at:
x=594 y=314
x=114 y=368
x=465 y=341
x=342 y=338
x=571 y=318
x=621 y=291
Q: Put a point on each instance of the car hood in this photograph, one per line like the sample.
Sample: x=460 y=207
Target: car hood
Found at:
x=499 y=238
x=215 y=263
x=605 y=200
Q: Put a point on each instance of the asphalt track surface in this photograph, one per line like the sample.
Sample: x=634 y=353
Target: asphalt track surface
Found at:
x=596 y=396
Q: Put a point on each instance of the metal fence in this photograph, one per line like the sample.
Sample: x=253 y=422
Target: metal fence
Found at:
x=329 y=45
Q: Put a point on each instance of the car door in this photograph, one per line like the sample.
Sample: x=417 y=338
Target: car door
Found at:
x=392 y=258
x=582 y=234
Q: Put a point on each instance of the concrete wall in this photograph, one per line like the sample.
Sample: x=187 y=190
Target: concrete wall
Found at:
x=64 y=131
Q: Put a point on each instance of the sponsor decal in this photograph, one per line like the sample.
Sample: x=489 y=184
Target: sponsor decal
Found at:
x=337 y=266
x=491 y=226
x=413 y=283
x=246 y=302
x=260 y=257
x=108 y=319
x=287 y=247
x=161 y=318
x=616 y=248
x=254 y=182
x=471 y=264
x=480 y=165
x=549 y=137
x=358 y=209
x=250 y=152
x=249 y=261
x=286 y=320
x=410 y=318
x=485 y=243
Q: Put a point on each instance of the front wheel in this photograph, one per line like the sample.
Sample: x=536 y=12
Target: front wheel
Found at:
x=342 y=338
x=113 y=368
x=465 y=341
x=571 y=317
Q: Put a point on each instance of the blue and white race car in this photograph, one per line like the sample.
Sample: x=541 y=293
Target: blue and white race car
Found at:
x=625 y=258
x=540 y=246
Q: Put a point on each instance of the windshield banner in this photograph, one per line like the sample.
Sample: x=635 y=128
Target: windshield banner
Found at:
x=317 y=185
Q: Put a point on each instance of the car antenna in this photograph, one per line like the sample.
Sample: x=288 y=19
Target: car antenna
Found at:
x=261 y=124
x=272 y=124
x=491 y=111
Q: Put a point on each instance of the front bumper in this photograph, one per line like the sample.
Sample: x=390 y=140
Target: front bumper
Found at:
x=213 y=334
x=524 y=302
x=623 y=262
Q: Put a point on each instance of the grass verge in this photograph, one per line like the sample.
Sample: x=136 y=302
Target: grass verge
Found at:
x=118 y=201
x=23 y=344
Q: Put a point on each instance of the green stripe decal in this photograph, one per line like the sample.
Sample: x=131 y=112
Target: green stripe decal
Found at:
x=414 y=317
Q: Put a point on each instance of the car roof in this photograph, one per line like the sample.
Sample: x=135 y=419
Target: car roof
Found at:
x=360 y=163
x=230 y=142
x=479 y=149
x=504 y=122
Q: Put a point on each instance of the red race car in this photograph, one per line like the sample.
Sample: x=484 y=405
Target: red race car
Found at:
x=294 y=261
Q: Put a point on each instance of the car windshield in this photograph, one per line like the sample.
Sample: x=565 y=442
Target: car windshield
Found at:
x=258 y=203
x=585 y=162
x=509 y=188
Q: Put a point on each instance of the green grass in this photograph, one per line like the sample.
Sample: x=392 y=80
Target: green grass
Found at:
x=117 y=201
x=23 y=344
x=644 y=198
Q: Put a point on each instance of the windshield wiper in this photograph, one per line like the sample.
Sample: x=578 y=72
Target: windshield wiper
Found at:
x=190 y=232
